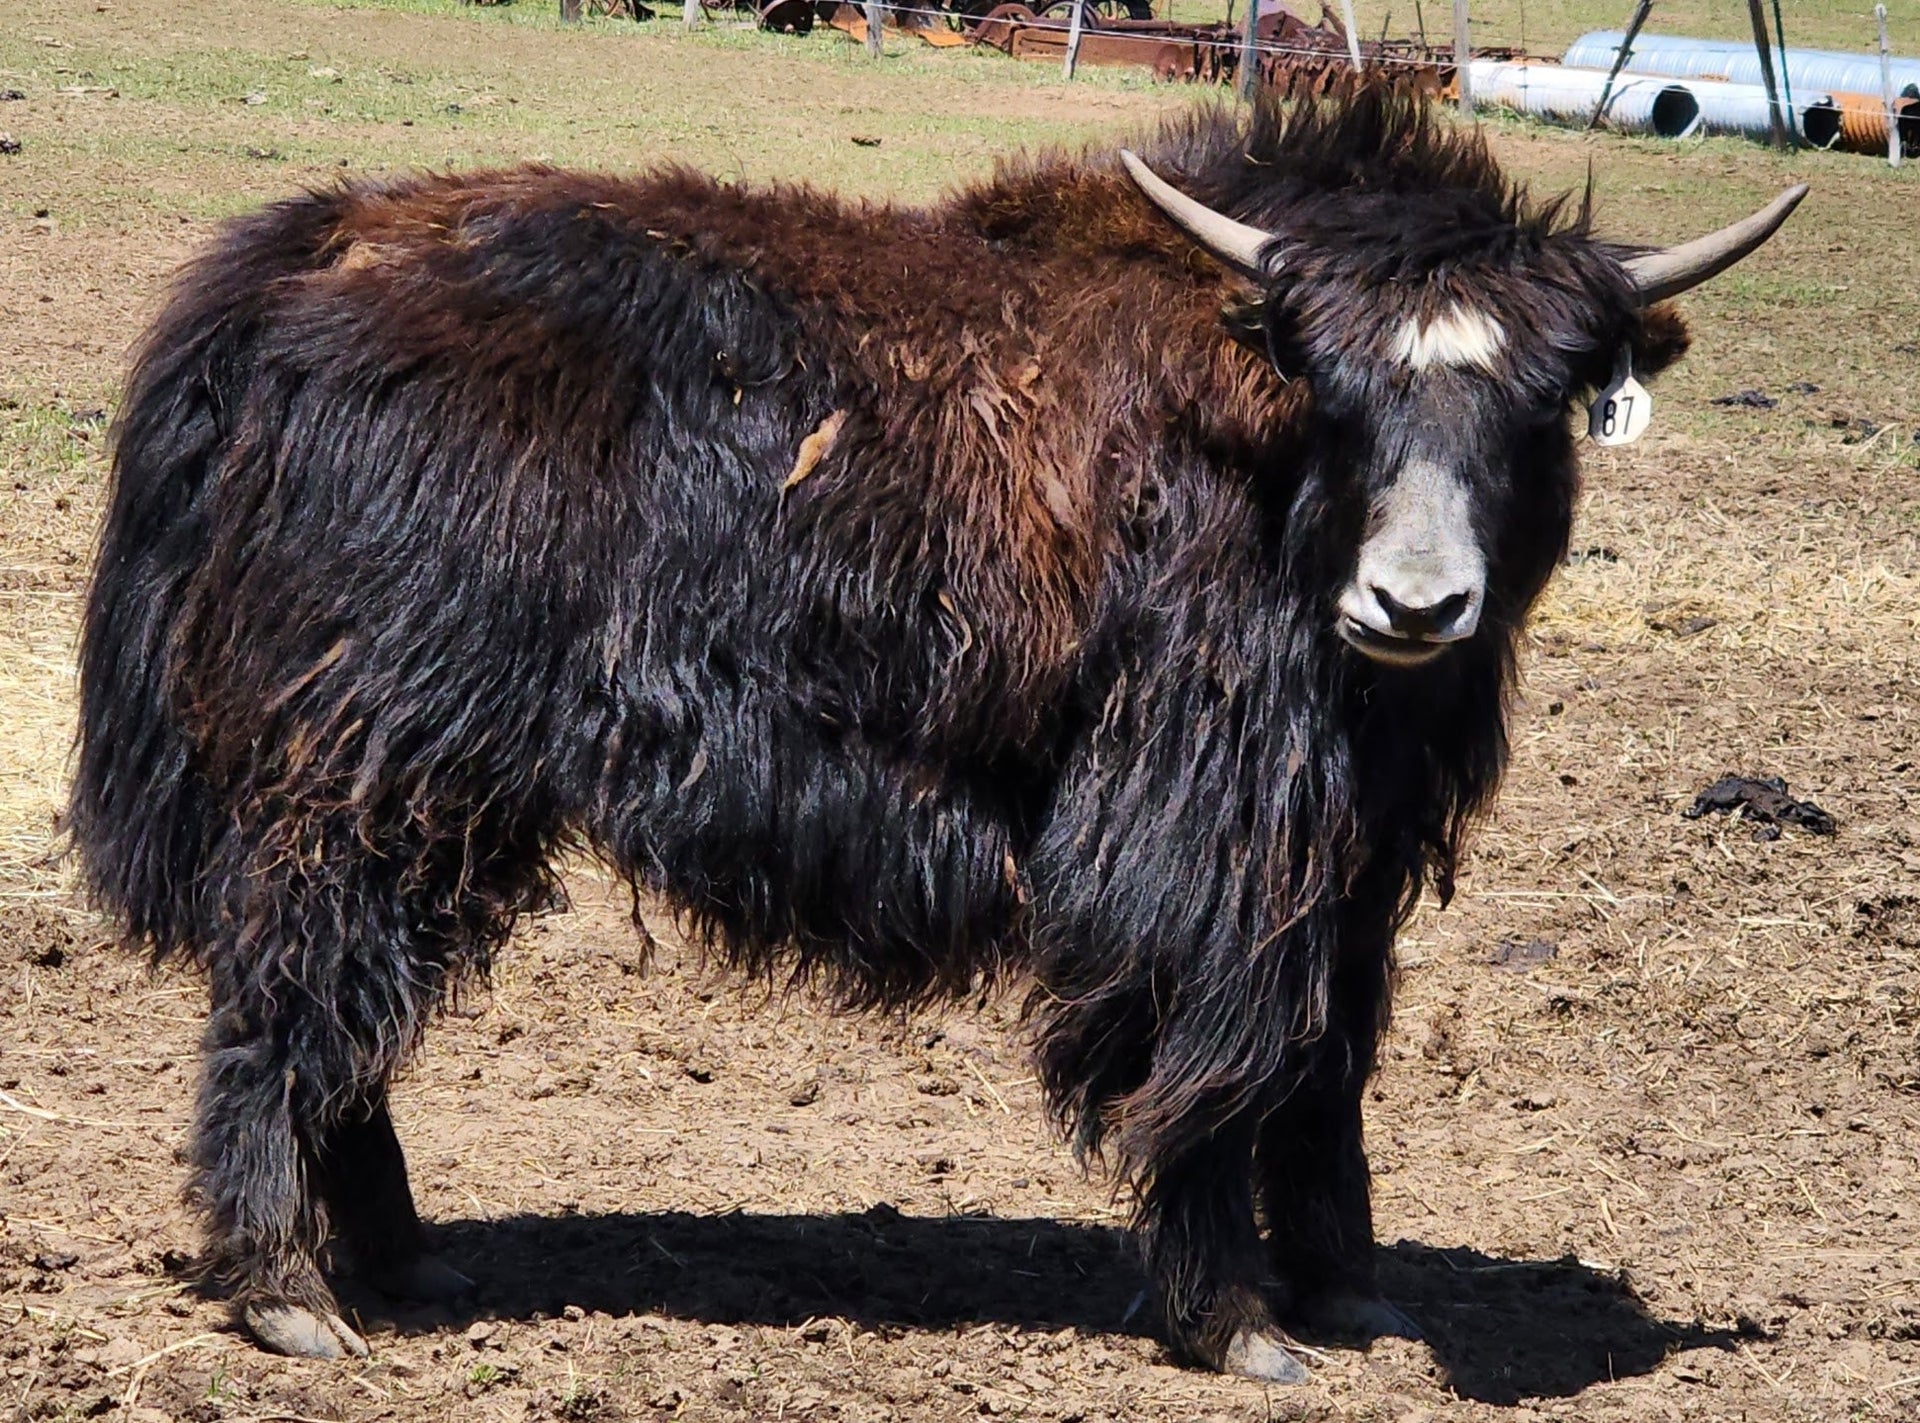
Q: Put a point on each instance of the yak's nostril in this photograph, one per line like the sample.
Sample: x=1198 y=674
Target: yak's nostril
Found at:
x=1423 y=620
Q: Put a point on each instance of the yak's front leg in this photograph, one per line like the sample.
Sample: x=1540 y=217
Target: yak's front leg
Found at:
x=1318 y=1202
x=362 y=1176
x=283 y=1153
x=1315 y=1188
x=1202 y=1247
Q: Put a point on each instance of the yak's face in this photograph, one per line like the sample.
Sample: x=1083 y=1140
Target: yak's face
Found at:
x=1449 y=344
x=1442 y=438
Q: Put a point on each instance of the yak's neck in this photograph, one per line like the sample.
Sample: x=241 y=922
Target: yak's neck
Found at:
x=1429 y=748
x=1249 y=820
x=1349 y=772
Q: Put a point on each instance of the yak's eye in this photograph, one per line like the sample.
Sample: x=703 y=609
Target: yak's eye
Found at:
x=1547 y=418
x=1550 y=415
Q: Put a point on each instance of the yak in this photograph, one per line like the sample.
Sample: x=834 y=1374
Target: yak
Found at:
x=1129 y=616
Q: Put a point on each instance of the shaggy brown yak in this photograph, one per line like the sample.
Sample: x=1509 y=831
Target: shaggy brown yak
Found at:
x=1134 y=616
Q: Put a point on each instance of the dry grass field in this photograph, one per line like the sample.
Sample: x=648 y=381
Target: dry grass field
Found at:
x=1647 y=1130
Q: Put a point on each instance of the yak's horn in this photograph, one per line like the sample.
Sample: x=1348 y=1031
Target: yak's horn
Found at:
x=1660 y=275
x=1234 y=243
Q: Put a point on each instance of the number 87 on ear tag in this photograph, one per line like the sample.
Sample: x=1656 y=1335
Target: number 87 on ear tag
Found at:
x=1621 y=413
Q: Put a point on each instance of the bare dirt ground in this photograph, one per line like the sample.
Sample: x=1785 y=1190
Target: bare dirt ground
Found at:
x=1645 y=1132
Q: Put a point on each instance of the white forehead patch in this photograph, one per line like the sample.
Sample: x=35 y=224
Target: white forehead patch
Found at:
x=1459 y=336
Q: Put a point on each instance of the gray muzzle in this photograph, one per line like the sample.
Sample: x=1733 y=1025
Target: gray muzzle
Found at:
x=1421 y=578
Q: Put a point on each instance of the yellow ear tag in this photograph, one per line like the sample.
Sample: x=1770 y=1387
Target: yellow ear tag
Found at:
x=1621 y=413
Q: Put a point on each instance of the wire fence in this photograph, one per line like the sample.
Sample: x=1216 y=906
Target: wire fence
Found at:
x=1407 y=26
x=1226 y=41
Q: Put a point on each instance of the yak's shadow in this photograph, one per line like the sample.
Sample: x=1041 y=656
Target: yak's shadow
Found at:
x=1503 y=1330
x=1508 y=1330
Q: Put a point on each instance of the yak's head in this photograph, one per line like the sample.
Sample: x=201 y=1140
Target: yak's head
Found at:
x=1448 y=332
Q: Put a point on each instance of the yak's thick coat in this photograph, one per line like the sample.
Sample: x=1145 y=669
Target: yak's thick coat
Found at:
x=905 y=595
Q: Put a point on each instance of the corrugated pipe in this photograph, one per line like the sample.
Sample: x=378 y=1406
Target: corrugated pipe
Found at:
x=1682 y=57
x=1743 y=109
x=1863 y=124
x=1568 y=95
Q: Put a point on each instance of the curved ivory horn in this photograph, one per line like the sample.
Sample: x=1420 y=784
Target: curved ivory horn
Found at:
x=1660 y=275
x=1233 y=242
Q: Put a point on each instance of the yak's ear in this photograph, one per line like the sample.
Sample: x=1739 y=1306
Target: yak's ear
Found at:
x=1246 y=321
x=1661 y=340
x=1265 y=327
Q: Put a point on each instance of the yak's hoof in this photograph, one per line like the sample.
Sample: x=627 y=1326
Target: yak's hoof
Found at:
x=424 y=1279
x=303 y=1333
x=1255 y=1354
x=1359 y=1316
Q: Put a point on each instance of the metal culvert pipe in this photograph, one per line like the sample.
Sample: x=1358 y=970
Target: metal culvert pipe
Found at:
x=1562 y=94
x=1675 y=55
x=1863 y=124
x=1743 y=109
x=1683 y=57
x=1820 y=121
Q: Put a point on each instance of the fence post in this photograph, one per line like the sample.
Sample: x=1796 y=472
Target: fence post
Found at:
x=1463 y=56
x=1620 y=58
x=1353 y=35
x=1249 y=75
x=875 y=46
x=1073 y=39
x=1776 y=119
x=1786 y=76
x=1886 y=89
x=569 y=12
x=690 y=13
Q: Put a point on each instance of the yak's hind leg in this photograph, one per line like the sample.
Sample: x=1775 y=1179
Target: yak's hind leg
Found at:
x=337 y=958
x=262 y=1098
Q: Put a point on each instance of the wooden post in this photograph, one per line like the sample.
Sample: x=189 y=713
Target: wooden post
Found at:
x=1620 y=58
x=569 y=12
x=1353 y=35
x=690 y=14
x=1074 y=26
x=1776 y=120
x=1462 y=56
x=1249 y=75
x=875 y=20
x=1886 y=89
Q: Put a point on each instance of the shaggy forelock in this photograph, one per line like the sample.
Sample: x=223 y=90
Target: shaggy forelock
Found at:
x=1390 y=215
x=1378 y=160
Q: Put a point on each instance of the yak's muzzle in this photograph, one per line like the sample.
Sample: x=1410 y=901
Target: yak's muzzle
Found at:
x=1421 y=577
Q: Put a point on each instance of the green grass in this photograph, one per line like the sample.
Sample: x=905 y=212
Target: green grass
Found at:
x=325 y=85
x=46 y=442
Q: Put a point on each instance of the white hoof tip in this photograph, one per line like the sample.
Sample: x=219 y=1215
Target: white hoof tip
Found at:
x=302 y=1333
x=1253 y=1355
